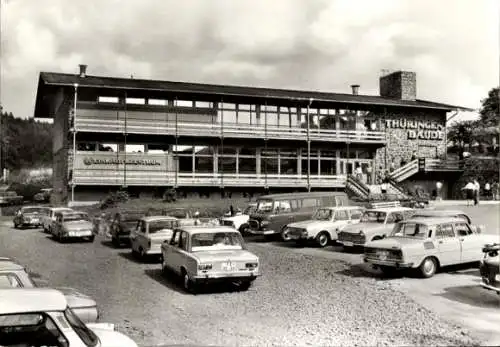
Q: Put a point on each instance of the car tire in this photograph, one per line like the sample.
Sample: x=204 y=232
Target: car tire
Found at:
x=284 y=235
x=323 y=239
x=428 y=267
x=187 y=283
x=243 y=229
x=243 y=286
x=16 y=226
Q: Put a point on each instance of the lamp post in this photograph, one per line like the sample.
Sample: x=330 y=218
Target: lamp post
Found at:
x=308 y=147
x=74 y=145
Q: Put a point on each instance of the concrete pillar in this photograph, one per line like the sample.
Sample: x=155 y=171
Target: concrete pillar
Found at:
x=299 y=162
x=257 y=161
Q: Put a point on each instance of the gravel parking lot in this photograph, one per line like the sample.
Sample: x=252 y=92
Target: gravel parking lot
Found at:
x=300 y=300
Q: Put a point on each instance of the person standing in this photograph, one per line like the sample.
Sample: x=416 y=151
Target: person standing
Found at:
x=494 y=190
x=369 y=174
x=392 y=166
x=359 y=173
x=487 y=190
x=477 y=190
x=439 y=186
x=469 y=191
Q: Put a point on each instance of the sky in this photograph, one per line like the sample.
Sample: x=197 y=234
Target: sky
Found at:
x=327 y=45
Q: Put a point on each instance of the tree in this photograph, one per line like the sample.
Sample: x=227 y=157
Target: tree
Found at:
x=490 y=109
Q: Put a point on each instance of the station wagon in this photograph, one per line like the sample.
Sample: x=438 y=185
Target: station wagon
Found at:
x=324 y=225
x=151 y=231
x=72 y=225
x=201 y=255
x=426 y=244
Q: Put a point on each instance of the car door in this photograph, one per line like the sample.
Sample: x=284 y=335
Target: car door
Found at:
x=470 y=244
x=134 y=241
x=56 y=225
x=171 y=254
x=448 y=244
x=341 y=219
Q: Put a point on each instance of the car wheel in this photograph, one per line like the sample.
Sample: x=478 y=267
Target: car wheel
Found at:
x=323 y=239
x=284 y=235
x=243 y=286
x=187 y=283
x=92 y=238
x=428 y=267
x=243 y=228
x=115 y=242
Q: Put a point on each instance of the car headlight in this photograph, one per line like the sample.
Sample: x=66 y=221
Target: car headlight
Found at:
x=204 y=267
x=251 y=265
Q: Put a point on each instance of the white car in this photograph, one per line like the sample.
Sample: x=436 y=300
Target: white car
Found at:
x=324 y=226
x=41 y=317
x=151 y=231
x=240 y=220
x=49 y=219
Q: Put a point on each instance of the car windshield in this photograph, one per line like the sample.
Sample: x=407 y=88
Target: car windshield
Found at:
x=216 y=241
x=76 y=217
x=32 y=210
x=265 y=206
x=373 y=217
x=322 y=214
x=157 y=225
x=250 y=209
x=415 y=230
x=86 y=335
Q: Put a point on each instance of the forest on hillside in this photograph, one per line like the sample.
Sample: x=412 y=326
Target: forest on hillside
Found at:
x=25 y=143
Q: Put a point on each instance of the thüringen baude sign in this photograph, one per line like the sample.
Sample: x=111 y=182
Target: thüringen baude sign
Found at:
x=418 y=130
x=117 y=161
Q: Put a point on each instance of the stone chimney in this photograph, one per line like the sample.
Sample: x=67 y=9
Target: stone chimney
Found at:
x=83 y=70
x=355 y=89
x=399 y=85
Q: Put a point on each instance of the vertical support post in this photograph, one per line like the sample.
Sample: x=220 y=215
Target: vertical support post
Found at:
x=265 y=146
x=308 y=147
x=74 y=144
x=221 y=146
x=125 y=142
x=176 y=143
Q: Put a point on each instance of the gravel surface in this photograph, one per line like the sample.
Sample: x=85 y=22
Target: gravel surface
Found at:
x=299 y=300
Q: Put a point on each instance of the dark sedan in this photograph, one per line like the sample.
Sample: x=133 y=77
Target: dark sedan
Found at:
x=30 y=216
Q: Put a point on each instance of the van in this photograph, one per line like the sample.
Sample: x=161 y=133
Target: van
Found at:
x=275 y=211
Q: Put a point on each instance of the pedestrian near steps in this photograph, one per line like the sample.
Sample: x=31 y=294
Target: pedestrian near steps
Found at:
x=369 y=174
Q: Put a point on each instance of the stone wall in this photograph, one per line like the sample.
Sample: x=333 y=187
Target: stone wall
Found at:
x=406 y=132
x=399 y=85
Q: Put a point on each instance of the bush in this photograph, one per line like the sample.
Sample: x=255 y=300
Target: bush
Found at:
x=114 y=198
x=30 y=189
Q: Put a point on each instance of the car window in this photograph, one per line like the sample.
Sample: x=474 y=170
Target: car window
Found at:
x=294 y=204
x=341 y=215
x=175 y=238
x=394 y=217
x=462 y=229
x=183 y=241
x=9 y=281
x=309 y=202
x=143 y=227
x=282 y=206
x=444 y=231
x=410 y=230
x=356 y=214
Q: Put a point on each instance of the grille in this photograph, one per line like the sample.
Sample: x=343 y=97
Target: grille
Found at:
x=295 y=231
x=228 y=223
x=390 y=255
x=253 y=224
x=356 y=238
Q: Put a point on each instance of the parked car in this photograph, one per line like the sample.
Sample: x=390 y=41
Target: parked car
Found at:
x=122 y=225
x=324 y=226
x=14 y=275
x=376 y=223
x=9 y=197
x=202 y=255
x=275 y=211
x=427 y=244
x=72 y=225
x=41 y=317
x=442 y=213
x=240 y=220
x=43 y=195
x=30 y=216
x=489 y=267
x=151 y=231
x=49 y=219
x=178 y=212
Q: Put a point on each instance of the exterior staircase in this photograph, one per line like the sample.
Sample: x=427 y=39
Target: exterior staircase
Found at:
x=405 y=171
x=357 y=188
x=425 y=165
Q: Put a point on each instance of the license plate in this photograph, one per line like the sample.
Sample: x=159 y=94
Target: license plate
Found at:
x=382 y=255
x=82 y=233
x=348 y=244
x=228 y=266
x=35 y=221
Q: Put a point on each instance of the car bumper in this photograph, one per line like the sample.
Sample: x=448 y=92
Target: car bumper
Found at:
x=31 y=223
x=391 y=263
x=219 y=277
x=78 y=234
x=351 y=243
x=262 y=232
x=154 y=250
x=490 y=287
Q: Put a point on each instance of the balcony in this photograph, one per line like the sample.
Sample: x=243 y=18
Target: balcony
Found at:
x=165 y=178
x=227 y=130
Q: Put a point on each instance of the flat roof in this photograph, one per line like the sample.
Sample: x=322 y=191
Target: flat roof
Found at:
x=55 y=79
x=301 y=195
x=26 y=300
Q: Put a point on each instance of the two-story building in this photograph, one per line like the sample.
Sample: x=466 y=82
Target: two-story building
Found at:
x=149 y=135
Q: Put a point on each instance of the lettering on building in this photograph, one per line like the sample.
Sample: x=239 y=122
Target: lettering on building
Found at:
x=418 y=130
x=116 y=161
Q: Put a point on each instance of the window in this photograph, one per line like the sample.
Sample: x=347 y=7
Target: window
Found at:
x=203 y=104
x=463 y=229
x=135 y=101
x=395 y=218
x=175 y=238
x=355 y=214
x=216 y=241
x=158 y=102
x=184 y=103
x=410 y=230
x=341 y=215
x=110 y=99
x=322 y=214
x=444 y=231
x=183 y=240
x=9 y=281
x=309 y=202
x=282 y=207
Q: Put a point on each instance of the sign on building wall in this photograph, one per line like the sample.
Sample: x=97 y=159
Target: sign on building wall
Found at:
x=119 y=161
x=112 y=161
x=418 y=130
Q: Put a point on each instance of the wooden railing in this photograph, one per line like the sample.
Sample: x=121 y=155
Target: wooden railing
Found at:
x=442 y=165
x=231 y=130
x=402 y=173
x=357 y=187
x=166 y=178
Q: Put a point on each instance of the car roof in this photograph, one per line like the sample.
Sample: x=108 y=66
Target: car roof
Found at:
x=26 y=300
x=207 y=229
x=389 y=209
x=61 y=209
x=301 y=195
x=438 y=212
x=153 y=218
x=9 y=264
x=341 y=207
x=34 y=206
x=434 y=220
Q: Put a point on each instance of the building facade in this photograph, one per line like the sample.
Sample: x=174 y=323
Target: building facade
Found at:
x=147 y=135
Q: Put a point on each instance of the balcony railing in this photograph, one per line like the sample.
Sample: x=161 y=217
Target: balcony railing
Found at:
x=442 y=165
x=228 y=130
x=164 y=178
x=405 y=171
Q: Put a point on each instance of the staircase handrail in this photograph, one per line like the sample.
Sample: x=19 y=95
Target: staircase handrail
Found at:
x=358 y=184
x=404 y=169
x=396 y=186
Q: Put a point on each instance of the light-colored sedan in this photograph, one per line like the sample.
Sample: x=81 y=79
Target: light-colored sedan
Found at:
x=14 y=275
x=41 y=317
x=202 y=255
x=151 y=231
x=375 y=224
x=324 y=226
x=50 y=218
x=72 y=225
x=240 y=220
x=426 y=244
